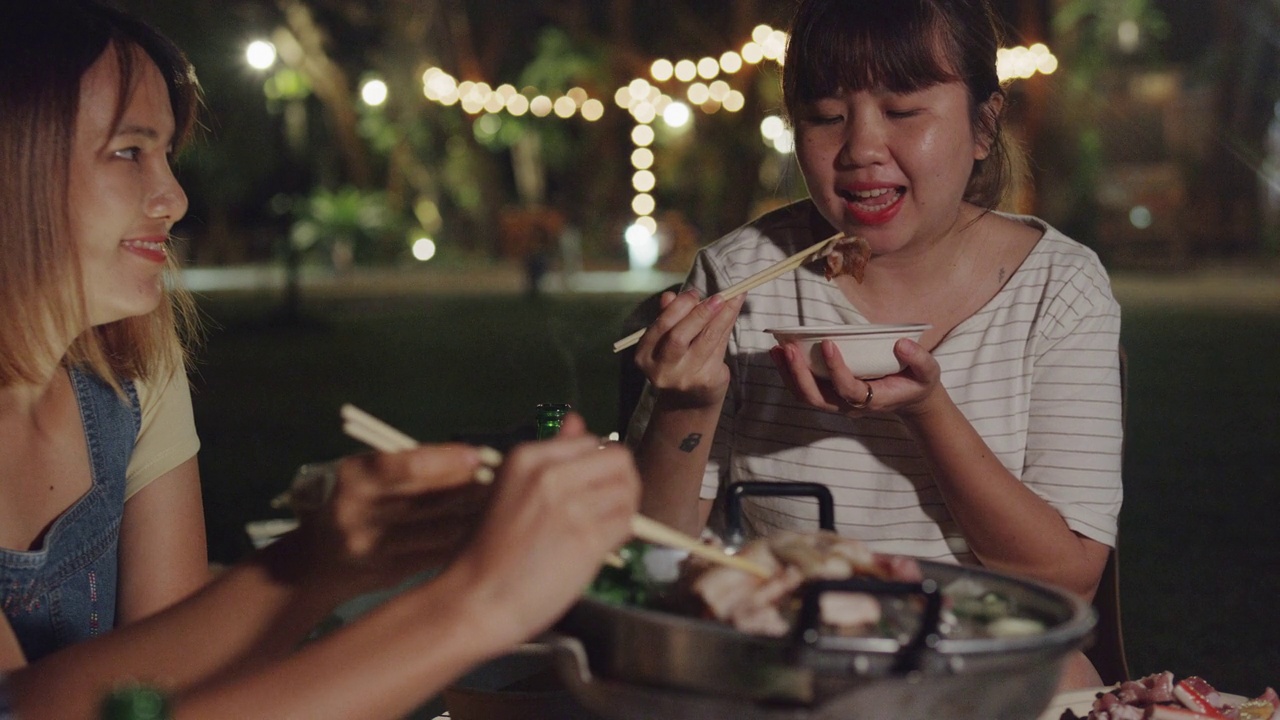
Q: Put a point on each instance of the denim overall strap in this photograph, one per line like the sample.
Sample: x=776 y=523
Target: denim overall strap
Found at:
x=64 y=591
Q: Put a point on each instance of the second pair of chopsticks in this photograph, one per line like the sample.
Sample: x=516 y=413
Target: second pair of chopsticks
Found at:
x=380 y=436
x=774 y=271
x=371 y=431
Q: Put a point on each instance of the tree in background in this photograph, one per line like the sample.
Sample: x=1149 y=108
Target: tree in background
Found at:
x=1241 y=74
x=450 y=174
x=1103 y=46
x=1157 y=127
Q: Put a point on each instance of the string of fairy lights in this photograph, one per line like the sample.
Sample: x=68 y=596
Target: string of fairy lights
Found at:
x=671 y=93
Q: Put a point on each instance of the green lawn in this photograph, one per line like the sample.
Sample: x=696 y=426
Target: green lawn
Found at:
x=1199 y=532
x=1200 y=529
x=267 y=395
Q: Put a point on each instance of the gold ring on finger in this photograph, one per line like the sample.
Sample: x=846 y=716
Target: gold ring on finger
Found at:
x=865 y=401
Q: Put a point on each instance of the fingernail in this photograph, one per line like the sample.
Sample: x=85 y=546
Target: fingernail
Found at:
x=483 y=475
x=715 y=302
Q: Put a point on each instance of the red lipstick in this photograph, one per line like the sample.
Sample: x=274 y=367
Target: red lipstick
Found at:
x=151 y=248
x=872 y=204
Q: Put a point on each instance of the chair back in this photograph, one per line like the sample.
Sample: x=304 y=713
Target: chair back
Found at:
x=1107 y=652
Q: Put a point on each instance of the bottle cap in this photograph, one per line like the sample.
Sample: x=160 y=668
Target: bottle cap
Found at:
x=135 y=703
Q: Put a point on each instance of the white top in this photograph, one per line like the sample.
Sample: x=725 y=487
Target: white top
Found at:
x=1036 y=371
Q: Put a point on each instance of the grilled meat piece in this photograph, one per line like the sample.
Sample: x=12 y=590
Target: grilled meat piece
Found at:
x=848 y=256
x=764 y=606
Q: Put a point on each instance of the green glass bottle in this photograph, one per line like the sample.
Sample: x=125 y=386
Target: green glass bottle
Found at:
x=136 y=702
x=549 y=418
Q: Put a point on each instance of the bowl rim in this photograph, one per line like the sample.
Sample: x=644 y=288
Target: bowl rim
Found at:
x=813 y=331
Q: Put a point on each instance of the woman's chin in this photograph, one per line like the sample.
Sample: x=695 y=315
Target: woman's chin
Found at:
x=144 y=303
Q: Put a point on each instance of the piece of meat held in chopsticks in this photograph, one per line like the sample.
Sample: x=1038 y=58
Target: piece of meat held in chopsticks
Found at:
x=848 y=256
x=741 y=599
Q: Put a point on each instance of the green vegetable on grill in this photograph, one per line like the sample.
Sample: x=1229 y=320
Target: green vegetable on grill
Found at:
x=626 y=585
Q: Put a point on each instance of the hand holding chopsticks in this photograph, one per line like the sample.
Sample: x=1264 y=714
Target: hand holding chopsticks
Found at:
x=371 y=431
x=778 y=269
x=655 y=532
x=380 y=436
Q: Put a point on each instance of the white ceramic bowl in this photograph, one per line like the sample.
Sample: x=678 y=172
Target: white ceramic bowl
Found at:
x=866 y=349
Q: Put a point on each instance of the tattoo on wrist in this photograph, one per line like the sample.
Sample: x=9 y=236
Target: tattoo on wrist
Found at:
x=690 y=442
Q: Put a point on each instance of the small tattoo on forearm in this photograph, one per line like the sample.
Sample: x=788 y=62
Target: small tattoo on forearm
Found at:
x=690 y=442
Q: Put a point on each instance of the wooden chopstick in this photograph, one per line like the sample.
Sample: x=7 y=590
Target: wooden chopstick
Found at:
x=652 y=531
x=373 y=432
x=772 y=272
x=380 y=436
x=780 y=268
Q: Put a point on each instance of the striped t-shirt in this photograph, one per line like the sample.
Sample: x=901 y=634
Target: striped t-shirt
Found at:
x=1036 y=371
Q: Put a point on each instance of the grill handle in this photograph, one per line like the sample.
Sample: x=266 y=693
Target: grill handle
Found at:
x=908 y=659
x=734 y=531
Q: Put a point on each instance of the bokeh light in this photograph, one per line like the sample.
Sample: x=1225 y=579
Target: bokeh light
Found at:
x=424 y=248
x=662 y=70
x=642 y=135
x=373 y=92
x=260 y=54
x=677 y=115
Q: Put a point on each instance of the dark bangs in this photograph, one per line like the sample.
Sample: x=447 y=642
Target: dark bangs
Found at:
x=904 y=46
x=853 y=45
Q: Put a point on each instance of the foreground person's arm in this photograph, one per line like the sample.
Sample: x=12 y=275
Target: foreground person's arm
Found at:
x=261 y=608
x=559 y=507
x=541 y=545
x=246 y=612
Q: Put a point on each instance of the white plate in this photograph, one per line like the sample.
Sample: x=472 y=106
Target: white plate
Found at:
x=1080 y=702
